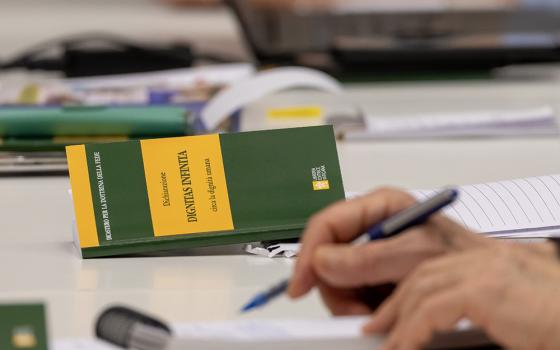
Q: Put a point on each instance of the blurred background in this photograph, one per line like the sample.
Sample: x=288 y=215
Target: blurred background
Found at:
x=328 y=34
x=27 y=22
x=60 y=53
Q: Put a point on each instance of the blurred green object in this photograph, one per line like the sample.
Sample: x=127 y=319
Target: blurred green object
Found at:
x=23 y=326
x=47 y=122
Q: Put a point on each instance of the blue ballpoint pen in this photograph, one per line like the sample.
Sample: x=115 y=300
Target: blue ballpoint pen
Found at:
x=397 y=223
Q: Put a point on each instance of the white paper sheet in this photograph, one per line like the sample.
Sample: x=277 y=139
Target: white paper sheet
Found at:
x=286 y=250
x=235 y=330
x=539 y=121
x=228 y=101
x=325 y=334
x=328 y=334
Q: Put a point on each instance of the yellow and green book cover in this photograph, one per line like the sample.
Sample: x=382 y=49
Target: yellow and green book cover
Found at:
x=193 y=191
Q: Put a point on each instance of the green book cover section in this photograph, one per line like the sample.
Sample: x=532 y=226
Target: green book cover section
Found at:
x=23 y=327
x=193 y=191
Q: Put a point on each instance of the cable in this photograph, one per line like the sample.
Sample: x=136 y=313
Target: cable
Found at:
x=101 y=54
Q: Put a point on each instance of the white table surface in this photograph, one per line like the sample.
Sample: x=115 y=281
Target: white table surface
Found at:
x=37 y=258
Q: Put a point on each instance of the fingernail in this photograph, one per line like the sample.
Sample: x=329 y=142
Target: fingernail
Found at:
x=298 y=287
x=290 y=292
x=370 y=328
x=366 y=329
x=292 y=289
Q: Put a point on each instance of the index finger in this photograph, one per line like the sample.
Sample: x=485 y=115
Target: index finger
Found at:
x=342 y=222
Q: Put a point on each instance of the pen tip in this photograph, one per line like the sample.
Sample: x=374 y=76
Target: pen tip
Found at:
x=247 y=307
x=258 y=301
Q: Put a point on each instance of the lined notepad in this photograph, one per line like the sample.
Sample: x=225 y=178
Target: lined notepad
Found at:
x=521 y=208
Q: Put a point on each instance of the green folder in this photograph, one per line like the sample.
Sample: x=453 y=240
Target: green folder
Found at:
x=161 y=194
x=23 y=327
x=45 y=122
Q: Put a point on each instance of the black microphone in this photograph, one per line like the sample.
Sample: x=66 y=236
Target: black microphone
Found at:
x=130 y=329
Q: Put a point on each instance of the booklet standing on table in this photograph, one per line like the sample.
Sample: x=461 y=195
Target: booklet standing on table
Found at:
x=160 y=194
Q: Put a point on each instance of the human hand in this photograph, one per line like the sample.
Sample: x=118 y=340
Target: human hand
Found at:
x=340 y=270
x=508 y=290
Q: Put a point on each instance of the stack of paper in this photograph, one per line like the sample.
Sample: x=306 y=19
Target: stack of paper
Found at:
x=529 y=122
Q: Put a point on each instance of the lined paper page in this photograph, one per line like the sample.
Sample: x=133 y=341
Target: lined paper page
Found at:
x=523 y=207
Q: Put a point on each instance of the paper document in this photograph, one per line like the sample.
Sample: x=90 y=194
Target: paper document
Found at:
x=223 y=74
x=232 y=99
x=522 y=208
x=326 y=334
x=529 y=122
x=333 y=333
x=338 y=327
x=287 y=250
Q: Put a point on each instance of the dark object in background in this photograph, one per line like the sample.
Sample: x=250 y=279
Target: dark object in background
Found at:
x=129 y=329
x=103 y=54
x=401 y=37
x=130 y=59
